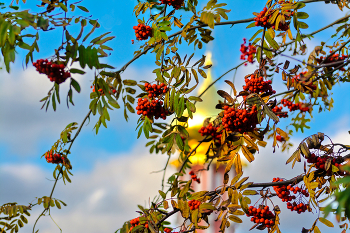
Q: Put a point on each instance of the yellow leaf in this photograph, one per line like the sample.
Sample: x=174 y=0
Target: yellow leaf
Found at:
x=262 y=143
x=250 y=142
x=229 y=165
x=235 y=219
x=271 y=32
x=178 y=23
x=278 y=20
x=316 y=230
x=313 y=185
x=238 y=164
x=249 y=192
x=326 y=222
x=290 y=34
x=249 y=156
x=165 y=204
x=236 y=178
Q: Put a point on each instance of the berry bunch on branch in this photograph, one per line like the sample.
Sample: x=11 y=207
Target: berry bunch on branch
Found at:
x=248 y=52
x=276 y=19
x=293 y=107
x=100 y=91
x=240 y=120
x=194 y=177
x=174 y=3
x=155 y=90
x=142 y=32
x=153 y=105
x=284 y=192
x=52 y=157
x=261 y=216
x=211 y=130
x=327 y=163
x=330 y=59
x=54 y=70
x=139 y=221
x=278 y=111
x=194 y=204
x=256 y=84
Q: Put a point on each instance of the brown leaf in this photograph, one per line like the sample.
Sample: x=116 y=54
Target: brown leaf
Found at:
x=286 y=64
x=294 y=70
x=232 y=86
x=225 y=95
x=284 y=76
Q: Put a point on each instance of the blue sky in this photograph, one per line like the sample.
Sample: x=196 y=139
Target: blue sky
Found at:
x=26 y=132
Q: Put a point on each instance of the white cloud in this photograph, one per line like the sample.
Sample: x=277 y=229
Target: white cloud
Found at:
x=98 y=201
x=23 y=125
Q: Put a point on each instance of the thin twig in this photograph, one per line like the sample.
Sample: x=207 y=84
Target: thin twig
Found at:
x=206 y=89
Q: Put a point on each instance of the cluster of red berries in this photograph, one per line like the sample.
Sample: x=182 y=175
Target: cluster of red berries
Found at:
x=174 y=3
x=194 y=177
x=300 y=208
x=151 y=109
x=258 y=85
x=280 y=138
x=168 y=230
x=278 y=111
x=101 y=91
x=247 y=51
x=136 y=221
x=53 y=157
x=335 y=57
x=194 y=204
x=240 y=120
x=293 y=107
x=320 y=163
x=296 y=79
x=54 y=71
x=285 y=194
x=262 y=19
x=261 y=215
x=142 y=31
x=210 y=130
x=155 y=90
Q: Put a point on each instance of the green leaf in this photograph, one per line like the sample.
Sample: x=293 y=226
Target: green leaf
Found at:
x=251 y=25
x=83 y=8
x=75 y=84
x=24 y=219
x=302 y=25
x=302 y=15
x=195 y=98
x=257 y=33
x=58 y=204
x=63 y=7
x=179 y=142
x=162 y=194
x=299 y=5
x=271 y=41
x=76 y=71
x=181 y=107
x=185 y=188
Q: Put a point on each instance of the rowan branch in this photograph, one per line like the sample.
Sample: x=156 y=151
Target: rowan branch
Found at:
x=60 y=172
x=178 y=33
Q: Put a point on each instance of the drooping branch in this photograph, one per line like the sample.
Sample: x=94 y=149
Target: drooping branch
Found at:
x=60 y=172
